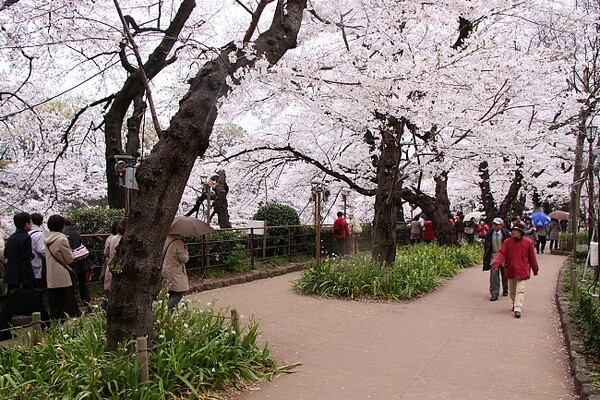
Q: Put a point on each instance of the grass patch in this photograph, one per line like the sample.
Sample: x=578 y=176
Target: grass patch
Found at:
x=416 y=270
x=196 y=355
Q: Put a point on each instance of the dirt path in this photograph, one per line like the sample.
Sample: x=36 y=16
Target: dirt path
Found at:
x=451 y=344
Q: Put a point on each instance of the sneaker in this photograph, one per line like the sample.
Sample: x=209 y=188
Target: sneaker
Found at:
x=517 y=314
x=505 y=294
x=493 y=298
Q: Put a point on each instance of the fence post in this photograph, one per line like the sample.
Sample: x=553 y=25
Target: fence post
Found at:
x=235 y=321
x=36 y=321
x=142 y=358
x=265 y=240
x=289 y=247
x=252 y=248
x=386 y=277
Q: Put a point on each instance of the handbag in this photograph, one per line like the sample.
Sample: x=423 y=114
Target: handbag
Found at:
x=80 y=253
x=72 y=273
x=469 y=230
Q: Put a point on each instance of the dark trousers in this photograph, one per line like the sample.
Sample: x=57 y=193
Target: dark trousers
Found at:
x=341 y=244
x=63 y=303
x=7 y=312
x=84 y=293
x=553 y=244
x=174 y=299
x=495 y=276
x=540 y=244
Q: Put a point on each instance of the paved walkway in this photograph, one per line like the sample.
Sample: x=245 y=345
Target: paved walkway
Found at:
x=451 y=344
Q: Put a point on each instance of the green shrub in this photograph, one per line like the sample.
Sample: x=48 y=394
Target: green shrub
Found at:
x=276 y=215
x=417 y=269
x=96 y=219
x=195 y=354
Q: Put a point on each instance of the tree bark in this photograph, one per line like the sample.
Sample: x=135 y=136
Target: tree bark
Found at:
x=134 y=86
x=509 y=203
x=436 y=208
x=221 y=207
x=162 y=177
x=387 y=198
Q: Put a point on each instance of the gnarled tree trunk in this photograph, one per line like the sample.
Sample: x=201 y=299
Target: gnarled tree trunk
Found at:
x=163 y=175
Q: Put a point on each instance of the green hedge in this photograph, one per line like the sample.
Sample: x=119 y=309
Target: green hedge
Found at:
x=418 y=269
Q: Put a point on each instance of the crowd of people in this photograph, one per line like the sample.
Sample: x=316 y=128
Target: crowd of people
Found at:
x=35 y=261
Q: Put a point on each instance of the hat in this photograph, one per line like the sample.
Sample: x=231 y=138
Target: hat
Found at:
x=519 y=227
x=497 y=221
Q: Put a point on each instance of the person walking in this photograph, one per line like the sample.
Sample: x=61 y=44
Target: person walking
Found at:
x=173 y=270
x=491 y=245
x=82 y=266
x=459 y=225
x=518 y=256
x=38 y=263
x=469 y=231
x=341 y=231
x=553 y=234
x=355 y=231
x=540 y=243
x=60 y=277
x=416 y=229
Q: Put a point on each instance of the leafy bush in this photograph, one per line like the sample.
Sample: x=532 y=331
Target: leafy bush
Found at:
x=194 y=355
x=276 y=215
x=96 y=219
x=417 y=269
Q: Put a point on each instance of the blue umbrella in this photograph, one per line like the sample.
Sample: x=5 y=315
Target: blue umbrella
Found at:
x=539 y=219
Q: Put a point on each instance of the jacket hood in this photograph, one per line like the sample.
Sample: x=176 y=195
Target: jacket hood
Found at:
x=51 y=237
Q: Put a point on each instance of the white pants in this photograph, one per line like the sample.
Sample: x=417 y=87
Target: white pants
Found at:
x=517 y=293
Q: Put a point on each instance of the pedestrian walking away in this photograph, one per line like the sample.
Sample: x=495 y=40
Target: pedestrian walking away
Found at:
x=492 y=244
x=341 y=231
x=518 y=256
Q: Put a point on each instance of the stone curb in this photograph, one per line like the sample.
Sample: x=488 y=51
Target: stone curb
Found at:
x=580 y=370
x=247 y=277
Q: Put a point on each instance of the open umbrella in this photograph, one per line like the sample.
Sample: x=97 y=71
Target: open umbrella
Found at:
x=561 y=215
x=475 y=214
x=189 y=226
x=539 y=219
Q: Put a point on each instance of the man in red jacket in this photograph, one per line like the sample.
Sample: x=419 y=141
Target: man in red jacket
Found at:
x=518 y=256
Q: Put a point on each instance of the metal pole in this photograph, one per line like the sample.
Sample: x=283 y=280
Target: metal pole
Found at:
x=573 y=268
x=318 y=225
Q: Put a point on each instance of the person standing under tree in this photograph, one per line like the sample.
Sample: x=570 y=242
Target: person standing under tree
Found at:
x=82 y=266
x=60 y=277
x=173 y=270
x=553 y=234
x=341 y=231
x=38 y=248
x=518 y=256
x=18 y=272
x=492 y=243
x=355 y=232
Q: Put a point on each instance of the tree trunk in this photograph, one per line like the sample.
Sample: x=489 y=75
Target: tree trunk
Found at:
x=513 y=203
x=220 y=204
x=133 y=87
x=436 y=208
x=162 y=177
x=487 y=198
x=386 y=199
x=134 y=123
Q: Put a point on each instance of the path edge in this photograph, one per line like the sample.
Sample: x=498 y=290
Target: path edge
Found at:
x=580 y=369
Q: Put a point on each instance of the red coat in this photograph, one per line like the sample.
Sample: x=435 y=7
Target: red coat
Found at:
x=428 y=231
x=343 y=227
x=518 y=257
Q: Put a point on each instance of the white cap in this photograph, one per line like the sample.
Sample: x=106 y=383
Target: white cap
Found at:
x=498 y=221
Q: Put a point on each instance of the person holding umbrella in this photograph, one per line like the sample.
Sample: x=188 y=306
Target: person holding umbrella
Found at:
x=175 y=257
x=518 y=256
x=553 y=233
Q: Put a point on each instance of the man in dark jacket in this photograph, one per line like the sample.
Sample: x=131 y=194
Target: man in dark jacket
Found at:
x=18 y=271
x=492 y=243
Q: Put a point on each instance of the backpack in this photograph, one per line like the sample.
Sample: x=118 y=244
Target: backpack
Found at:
x=337 y=230
x=357 y=229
